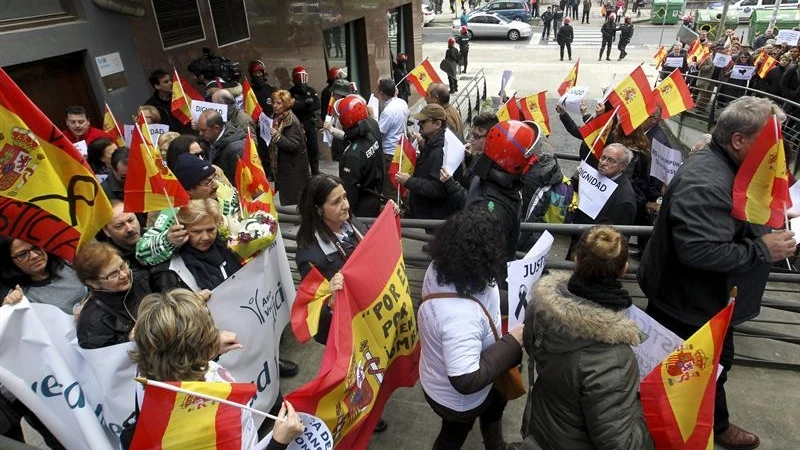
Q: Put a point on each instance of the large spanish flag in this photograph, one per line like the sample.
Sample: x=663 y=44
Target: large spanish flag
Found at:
x=673 y=95
x=373 y=346
x=595 y=133
x=181 y=102
x=251 y=105
x=312 y=294
x=508 y=110
x=634 y=98
x=404 y=160
x=534 y=107
x=571 y=80
x=174 y=420
x=659 y=56
x=111 y=126
x=422 y=76
x=255 y=191
x=761 y=186
x=678 y=395
x=48 y=194
x=150 y=185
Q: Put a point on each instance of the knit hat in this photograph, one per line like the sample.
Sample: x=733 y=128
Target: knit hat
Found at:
x=191 y=170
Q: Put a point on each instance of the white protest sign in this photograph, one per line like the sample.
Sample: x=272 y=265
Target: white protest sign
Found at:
x=674 y=61
x=454 y=152
x=82 y=148
x=373 y=106
x=127 y=133
x=571 y=101
x=794 y=195
x=505 y=81
x=791 y=37
x=742 y=72
x=199 y=106
x=721 y=60
x=255 y=303
x=594 y=190
x=327 y=136
x=522 y=275
x=265 y=128
x=316 y=435
x=659 y=344
x=794 y=224
x=156 y=130
x=665 y=162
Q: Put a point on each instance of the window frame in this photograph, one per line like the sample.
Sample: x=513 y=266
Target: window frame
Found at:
x=161 y=37
x=214 y=26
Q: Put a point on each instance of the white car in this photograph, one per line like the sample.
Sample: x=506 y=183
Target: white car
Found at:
x=482 y=25
x=427 y=14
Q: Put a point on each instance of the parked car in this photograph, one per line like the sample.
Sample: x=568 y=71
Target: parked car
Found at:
x=745 y=8
x=427 y=14
x=481 y=24
x=510 y=9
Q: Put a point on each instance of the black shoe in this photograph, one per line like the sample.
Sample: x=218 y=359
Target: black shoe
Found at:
x=381 y=426
x=608 y=59
x=287 y=369
x=562 y=59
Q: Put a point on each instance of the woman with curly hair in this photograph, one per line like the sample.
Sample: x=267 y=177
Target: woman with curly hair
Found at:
x=460 y=355
x=579 y=339
x=287 y=149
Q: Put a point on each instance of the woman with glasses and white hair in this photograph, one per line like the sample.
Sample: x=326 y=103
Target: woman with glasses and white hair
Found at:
x=109 y=313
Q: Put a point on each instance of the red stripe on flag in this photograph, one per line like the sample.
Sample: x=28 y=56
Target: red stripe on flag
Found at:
x=306 y=294
x=150 y=429
x=228 y=421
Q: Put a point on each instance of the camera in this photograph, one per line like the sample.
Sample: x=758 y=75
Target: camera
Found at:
x=211 y=66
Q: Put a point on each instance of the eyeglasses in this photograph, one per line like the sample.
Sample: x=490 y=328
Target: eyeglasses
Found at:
x=476 y=136
x=117 y=273
x=26 y=254
x=208 y=181
x=608 y=159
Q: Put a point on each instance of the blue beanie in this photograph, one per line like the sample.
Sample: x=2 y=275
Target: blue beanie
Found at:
x=191 y=170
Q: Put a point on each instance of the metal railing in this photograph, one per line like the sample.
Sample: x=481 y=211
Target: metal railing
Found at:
x=467 y=101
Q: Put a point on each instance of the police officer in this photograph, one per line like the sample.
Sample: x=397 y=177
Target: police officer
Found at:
x=463 y=47
x=306 y=108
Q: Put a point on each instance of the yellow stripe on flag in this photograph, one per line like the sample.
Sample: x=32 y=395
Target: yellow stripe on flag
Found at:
x=193 y=420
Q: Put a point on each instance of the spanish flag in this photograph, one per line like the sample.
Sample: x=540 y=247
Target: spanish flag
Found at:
x=758 y=58
x=534 y=107
x=48 y=194
x=175 y=420
x=768 y=64
x=181 y=102
x=509 y=110
x=634 y=98
x=330 y=110
x=255 y=191
x=141 y=122
x=111 y=126
x=673 y=95
x=404 y=160
x=312 y=294
x=595 y=133
x=659 y=56
x=373 y=346
x=761 y=186
x=150 y=185
x=678 y=395
x=422 y=76
x=251 y=105
x=570 y=81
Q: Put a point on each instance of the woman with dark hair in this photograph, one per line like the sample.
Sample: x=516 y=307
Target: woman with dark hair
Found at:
x=461 y=354
x=579 y=339
x=287 y=150
x=184 y=143
x=98 y=155
x=28 y=270
x=646 y=188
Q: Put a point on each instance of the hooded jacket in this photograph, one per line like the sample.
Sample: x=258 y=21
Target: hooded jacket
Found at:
x=361 y=168
x=586 y=393
x=227 y=150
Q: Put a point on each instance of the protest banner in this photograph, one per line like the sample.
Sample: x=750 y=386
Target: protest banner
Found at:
x=523 y=275
x=674 y=61
x=742 y=72
x=199 y=106
x=156 y=130
x=594 y=190
x=265 y=128
x=316 y=435
x=571 y=101
x=721 y=60
x=791 y=37
x=454 y=152
x=127 y=133
x=659 y=344
x=665 y=162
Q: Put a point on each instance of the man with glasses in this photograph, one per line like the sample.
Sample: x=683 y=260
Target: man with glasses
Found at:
x=620 y=209
x=225 y=141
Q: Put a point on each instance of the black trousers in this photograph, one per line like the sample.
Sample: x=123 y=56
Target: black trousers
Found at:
x=453 y=83
x=312 y=145
x=456 y=425
x=607 y=47
x=569 y=49
x=721 y=415
x=585 y=15
x=545 y=30
x=621 y=47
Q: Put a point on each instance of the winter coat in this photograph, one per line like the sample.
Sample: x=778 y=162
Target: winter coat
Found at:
x=608 y=30
x=586 y=394
x=565 y=34
x=626 y=33
x=361 y=168
x=306 y=103
x=500 y=194
x=620 y=209
x=227 y=150
x=547 y=16
x=428 y=197
x=289 y=157
x=698 y=252
x=772 y=83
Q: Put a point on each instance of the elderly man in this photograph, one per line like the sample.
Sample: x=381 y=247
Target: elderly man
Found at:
x=123 y=232
x=698 y=252
x=620 y=209
x=439 y=95
x=225 y=142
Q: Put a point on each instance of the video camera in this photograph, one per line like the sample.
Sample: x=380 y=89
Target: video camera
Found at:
x=211 y=67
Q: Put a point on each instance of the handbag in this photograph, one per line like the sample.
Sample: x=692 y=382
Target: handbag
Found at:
x=509 y=383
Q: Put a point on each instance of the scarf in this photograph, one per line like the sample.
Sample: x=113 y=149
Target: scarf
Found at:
x=608 y=293
x=205 y=266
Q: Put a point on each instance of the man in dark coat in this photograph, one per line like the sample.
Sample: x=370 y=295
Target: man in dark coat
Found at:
x=161 y=99
x=609 y=31
x=547 y=18
x=625 y=35
x=698 y=252
x=564 y=38
x=620 y=209
x=225 y=142
x=306 y=107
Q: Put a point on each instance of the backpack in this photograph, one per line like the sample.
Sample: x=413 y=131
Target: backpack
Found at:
x=553 y=204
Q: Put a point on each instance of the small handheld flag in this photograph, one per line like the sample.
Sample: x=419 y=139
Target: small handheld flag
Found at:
x=570 y=81
x=509 y=110
x=422 y=76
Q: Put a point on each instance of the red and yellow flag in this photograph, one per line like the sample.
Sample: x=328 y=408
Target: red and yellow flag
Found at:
x=659 y=56
x=571 y=80
x=174 y=420
x=251 y=105
x=181 y=102
x=759 y=57
x=422 y=76
x=634 y=98
x=48 y=194
x=255 y=191
x=761 y=186
x=595 y=133
x=330 y=110
x=141 y=122
x=311 y=296
x=673 y=95
x=373 y=345
x=404 y=160
x=768 y=64
x=111 y=126
x=534 y=107
x=509 y=110
x=150 y=185
x=678 y=395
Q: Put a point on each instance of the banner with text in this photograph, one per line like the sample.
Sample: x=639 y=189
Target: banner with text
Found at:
x=594 y=190
x=523 y=275
x=571 y=101
x=665 y=163
x=198 y=107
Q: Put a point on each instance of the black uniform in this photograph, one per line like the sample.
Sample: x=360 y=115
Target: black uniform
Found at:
x=399 y=72
x=463 y=50
x=609 y=31
x=361 y=168
x=547 y=17
x=564 y=38
x=306 y=107
x=625 y=35
x=263 y=91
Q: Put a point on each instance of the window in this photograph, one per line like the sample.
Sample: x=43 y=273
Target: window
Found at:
x=478 y=19
x=15 y=14
x=345 y=47
x=492 y=20
x=230 y=21
x=178 y=21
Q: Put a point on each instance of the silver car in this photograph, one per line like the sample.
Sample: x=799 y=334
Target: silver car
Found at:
x=482 y=24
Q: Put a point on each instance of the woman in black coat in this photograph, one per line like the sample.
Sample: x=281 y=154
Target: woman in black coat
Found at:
x=564 y=38
x=287 y=150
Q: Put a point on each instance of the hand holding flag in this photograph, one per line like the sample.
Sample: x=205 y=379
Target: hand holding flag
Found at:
x=570 y=81
x=509 y=110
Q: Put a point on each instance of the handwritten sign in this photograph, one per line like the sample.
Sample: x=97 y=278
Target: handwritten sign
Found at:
x=665 y=162
x=265 y=128
x=791 y=37
x=594 y=190
x=316 y=435
x=659 y=344
x=742 y=72
x=674 y=61
x=571 y=101
x=199 y=106
x=722 y=60
x=523 y=275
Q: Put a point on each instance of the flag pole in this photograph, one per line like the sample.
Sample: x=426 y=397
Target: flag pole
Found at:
x=172 y=388
x=785 y=210
x=116 y=124
x=600 y=134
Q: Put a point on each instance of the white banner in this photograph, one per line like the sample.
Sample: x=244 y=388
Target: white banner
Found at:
x=265 y=128
x=721 y=60
x=127 y=133
x=316 y=435
x=794 y=195
x=82 y=148
x=199 y=106
x=454 y=151
x=659 y=344
x=665 y=162
x=789 y=36
x=523 y=275
x=571 y=101
x=742 y=72
x=255 y=303
x=373 y=106
x=327 y=136
x=594 y=190
x=505 y=81
x=674 y=61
